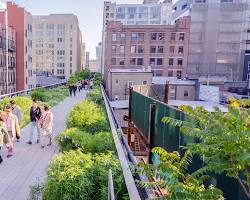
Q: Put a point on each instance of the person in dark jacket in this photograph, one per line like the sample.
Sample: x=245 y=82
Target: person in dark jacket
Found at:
x=35 y=115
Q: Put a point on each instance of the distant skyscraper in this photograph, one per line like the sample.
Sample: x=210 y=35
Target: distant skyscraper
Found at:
x=87 y=59
x=22 y=21
x=83 y=55
x=58 y=43
x=99 y=57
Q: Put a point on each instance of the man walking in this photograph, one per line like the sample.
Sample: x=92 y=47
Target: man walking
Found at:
x=16 y=110
x=35 y=115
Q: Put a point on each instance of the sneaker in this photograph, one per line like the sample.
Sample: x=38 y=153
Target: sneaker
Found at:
x=1 y=159
x=29 y=142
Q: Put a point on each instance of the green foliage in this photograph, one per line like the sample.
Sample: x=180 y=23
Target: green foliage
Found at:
x=95 y=95
x=98 y=79
x=171 y=176
x=89 y=117
x=74 y=175
x=74 y=138
x=79 y=76
x=41 y=94
x=224 y=141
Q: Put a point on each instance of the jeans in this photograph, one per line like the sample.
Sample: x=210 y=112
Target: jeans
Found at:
x=32 y=127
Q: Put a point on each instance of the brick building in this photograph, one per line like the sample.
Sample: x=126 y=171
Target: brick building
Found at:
x=10 y=85
x=21 y=21
x=163 y=48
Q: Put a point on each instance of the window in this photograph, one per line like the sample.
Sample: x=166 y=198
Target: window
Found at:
x=123 y=36
x=152 y=61
x=122 y=61
x=181 y=36
x=153 y=36
x=133 y=49
x=133 y=36
x=113 y=37
x=113 y=49
x=159 y=61
x=248 y=65
x=180 y=50
x=139 y=61
x=122 y=49
x=161 y=36
x=172 y=37
x=248 y=77
x=130 y=84
x=179 y=73
x=171 y=49
x=170 y=73
x=140 y=49
x=71 y=39
x=70 y=52
x=141 y=37
x=157 y=72
x=171 y=61
x=180 y=61
x=172 y=93
x=160 y=49
x=185 y=93
x=113 y=61
x=117 y=82
x=183 y=6
x=144 y=82
x=132 y=61
x=153 y=49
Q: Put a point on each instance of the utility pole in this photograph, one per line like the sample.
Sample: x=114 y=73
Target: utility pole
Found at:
x=166 y=92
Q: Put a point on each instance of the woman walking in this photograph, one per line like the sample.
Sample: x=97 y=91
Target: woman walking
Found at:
x=47 y=125
x=12 y=126
x=4 y=136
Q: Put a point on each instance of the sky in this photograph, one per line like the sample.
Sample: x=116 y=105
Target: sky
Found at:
x=89 y=13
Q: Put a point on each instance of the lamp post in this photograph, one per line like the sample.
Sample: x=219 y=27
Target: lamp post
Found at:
x=6 y=49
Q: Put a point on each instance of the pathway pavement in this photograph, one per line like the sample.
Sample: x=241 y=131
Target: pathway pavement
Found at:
x=29 y=163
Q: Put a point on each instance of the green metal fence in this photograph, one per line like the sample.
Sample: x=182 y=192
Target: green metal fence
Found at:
x=170 y=138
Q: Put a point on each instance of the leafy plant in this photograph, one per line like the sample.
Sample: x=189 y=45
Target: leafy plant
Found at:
x=74 y=138
x=88 y=116
x=95 y=95
x=224 y=141
x=79 y=76
x=41 y=94
x=74 y=175
x=171 y=176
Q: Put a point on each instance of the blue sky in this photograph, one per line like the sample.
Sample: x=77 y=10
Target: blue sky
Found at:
x=89 y=13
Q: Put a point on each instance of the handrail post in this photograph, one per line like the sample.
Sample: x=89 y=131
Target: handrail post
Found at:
x=111 y=192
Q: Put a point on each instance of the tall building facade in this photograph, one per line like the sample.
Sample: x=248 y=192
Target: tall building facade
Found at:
x=219 y=38
x=150 y=12
x=162 y=48
x=99 y=57
x=87 y=59
x=57 y=41
x=22 y=21
x=7 y=82
x=83 y=56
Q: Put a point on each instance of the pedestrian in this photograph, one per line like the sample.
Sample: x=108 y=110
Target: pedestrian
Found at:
x=85 y=84
x=74 y=89
x=4 y=136
x=16 y=110
x=12 y=127
x=47 y=125
x=70 y=89
x=79 y=86
x=91 y=84
x=35 y=115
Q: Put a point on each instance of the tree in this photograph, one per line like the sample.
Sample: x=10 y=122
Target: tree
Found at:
x=171 y=176
x=224 y=140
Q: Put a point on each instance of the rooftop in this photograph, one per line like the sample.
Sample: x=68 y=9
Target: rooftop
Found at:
x=130 y=71
x=172 y=80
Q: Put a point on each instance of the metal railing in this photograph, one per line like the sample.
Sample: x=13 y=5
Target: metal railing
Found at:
x=111 y=191
x=30 y=90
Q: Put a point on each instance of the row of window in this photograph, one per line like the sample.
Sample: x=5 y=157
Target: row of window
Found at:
x=140 y=49
x=152 y=61
x=52 y=26
x=153 y=36
x=11 y=60
x=11 y=77
x=170 y=73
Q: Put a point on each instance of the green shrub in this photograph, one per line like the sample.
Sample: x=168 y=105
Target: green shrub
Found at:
x=88 y=116
x=79 y=76
x=74 y=175
x=74 y=138
x=95 y=95
x=41 y=94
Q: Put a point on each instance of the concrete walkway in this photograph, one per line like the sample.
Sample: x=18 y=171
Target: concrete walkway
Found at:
x=29 y=163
